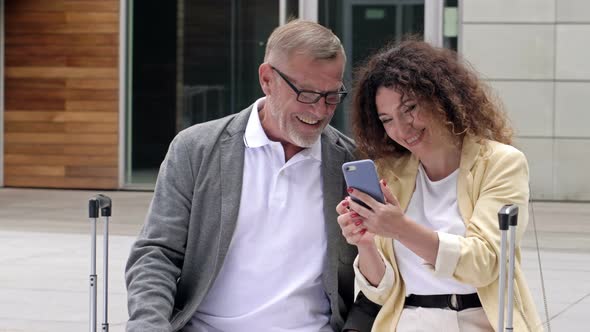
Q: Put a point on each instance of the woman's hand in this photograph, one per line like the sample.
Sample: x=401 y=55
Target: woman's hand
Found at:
x=382 y=219
x=388 y=220
x=352 y=227
x=370 y=263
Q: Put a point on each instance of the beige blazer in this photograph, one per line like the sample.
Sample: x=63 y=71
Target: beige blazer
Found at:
x=491 y=175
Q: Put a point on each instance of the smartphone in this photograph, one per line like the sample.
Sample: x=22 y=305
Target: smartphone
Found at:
x=362 y=175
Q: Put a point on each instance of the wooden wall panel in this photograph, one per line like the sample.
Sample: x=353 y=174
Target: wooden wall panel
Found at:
x=61 y=94
x=60 y=116
x=60 y=149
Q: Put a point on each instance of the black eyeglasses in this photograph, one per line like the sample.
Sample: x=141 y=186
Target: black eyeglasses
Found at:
x=312 y=97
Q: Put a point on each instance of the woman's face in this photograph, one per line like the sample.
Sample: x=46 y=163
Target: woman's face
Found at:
x=408 y=123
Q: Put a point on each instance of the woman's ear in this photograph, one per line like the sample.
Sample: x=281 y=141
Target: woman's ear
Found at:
x=265 y=77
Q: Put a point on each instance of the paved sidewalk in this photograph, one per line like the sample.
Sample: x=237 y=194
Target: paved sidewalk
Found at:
x=45 y=246
x=45 y=250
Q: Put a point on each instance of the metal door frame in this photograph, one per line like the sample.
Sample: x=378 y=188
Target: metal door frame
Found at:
x=433 y=22
x=124 y=77
x=308 y=10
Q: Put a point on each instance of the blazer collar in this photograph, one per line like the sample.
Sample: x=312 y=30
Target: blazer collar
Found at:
x=239 y=122
x=402 y=172
x=469 y=152
x=254 y=135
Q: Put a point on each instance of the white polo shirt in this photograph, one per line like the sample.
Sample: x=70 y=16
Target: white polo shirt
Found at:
x=271 y=277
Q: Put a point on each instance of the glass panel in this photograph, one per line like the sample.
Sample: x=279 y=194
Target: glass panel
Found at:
x=412 y=17
x=367 y=20
x=373 y=26
x=153 y=87
x=198 y=63
x=331 y=15
x=292 y=9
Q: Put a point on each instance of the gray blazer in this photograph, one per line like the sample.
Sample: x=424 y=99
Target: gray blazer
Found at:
x=192 y=217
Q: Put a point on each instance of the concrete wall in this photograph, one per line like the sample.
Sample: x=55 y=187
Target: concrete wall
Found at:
x=536 y=55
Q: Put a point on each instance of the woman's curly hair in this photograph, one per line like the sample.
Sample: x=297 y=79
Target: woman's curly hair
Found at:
x=433 y=76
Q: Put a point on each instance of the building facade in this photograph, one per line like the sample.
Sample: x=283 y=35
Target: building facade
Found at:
x=94 y=91
x=536 y=54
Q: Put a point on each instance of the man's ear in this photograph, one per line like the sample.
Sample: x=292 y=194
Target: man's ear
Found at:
x=265 y=77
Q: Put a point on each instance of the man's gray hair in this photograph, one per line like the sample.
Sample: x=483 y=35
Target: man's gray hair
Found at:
x=303 y=37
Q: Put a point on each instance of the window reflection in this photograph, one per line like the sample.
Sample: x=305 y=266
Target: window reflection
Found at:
x=191 y=62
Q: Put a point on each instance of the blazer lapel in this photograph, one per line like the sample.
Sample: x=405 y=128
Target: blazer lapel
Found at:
x=333 y=189
x=469 y=153
x=231 y=173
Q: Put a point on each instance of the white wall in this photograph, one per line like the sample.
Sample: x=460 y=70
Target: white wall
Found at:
x=536 y=55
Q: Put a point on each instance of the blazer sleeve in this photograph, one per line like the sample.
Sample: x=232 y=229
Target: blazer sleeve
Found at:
x=155 y=260
x=382 y=292
x=361 y=315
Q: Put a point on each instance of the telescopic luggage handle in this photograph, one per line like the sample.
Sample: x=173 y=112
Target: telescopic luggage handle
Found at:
x=103 y=204
x=507 y=219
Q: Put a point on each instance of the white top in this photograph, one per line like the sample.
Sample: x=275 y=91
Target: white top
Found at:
x=271 y=277
x=434 y=205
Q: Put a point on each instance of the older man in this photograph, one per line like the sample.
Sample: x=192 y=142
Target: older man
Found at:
x=241 y=234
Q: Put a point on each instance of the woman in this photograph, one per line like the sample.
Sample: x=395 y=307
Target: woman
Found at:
x=430 y=254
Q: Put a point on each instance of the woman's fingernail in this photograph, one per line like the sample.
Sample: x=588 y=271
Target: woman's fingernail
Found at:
x=358 y=223
x=363 y=231
x=349 y=190
x=345 y=203
x=354 y=214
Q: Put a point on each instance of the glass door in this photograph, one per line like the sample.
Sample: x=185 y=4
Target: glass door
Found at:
x=373 y=24
x=190 y=61
x=365 y=26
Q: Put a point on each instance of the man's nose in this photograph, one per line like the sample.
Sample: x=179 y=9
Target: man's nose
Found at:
x=320 y=107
